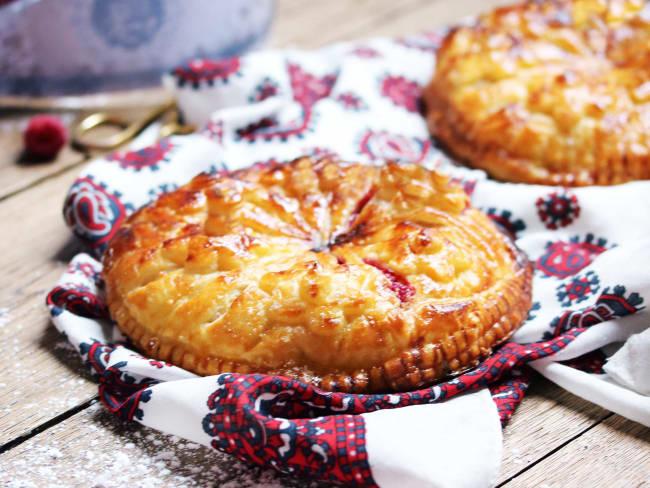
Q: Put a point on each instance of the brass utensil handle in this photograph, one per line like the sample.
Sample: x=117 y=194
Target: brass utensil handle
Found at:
x=129 y=131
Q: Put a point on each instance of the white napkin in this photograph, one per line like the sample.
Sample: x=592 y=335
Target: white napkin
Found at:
x=630 y=366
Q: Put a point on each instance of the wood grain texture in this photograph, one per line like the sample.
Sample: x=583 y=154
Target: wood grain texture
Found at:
x=615 y=453
x=47 y=378
x=547 y=417
x=93 y=101
x=316 y=24
x=95 y=448
x=428 y=15
x=37 y=238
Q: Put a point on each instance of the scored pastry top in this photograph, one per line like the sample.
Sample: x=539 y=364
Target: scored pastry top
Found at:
x=549 y=92
x=348 y=276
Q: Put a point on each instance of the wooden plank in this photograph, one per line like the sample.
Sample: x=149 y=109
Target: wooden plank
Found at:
x=95 y=448
x=44 y=377
x=547 y=417
x=314 y=24
x=36 y=235
x=93 y=101
x=614 y=453
x=432 y=14
x=322 y=23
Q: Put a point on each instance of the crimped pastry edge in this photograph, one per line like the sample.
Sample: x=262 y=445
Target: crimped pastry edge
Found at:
x=452 y=128
x=416 y=368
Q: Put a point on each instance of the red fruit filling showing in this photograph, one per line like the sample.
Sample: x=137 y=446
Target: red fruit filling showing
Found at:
x=398 y=284
x=361 y=204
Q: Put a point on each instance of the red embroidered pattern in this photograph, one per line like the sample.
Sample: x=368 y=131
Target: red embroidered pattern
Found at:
x=402 y=92
x=307 y=89
x=563 y=259
x=208 y=71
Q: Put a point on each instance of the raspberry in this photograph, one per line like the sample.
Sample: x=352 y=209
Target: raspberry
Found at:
x=45 y=136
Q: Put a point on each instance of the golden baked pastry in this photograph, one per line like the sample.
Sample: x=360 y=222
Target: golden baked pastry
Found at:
x=550 y=92
x=350 y=277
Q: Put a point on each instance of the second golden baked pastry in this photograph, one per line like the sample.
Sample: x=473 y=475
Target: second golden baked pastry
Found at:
x=350 y=277
x=550 y=92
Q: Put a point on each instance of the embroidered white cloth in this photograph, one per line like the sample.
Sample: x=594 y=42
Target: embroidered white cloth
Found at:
x=359 y=101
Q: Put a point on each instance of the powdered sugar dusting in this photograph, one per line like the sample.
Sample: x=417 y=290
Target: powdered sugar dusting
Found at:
x=96 y=449
x=31 y=385
x=4 y=316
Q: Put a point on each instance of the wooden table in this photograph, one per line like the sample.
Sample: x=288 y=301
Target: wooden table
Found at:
x=52 y=430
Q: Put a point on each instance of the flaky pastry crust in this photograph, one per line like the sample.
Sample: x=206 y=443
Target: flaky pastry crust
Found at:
x=550 y=92
x=350 y=277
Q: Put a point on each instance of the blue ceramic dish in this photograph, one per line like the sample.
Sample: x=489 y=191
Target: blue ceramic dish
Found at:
x=54 y=47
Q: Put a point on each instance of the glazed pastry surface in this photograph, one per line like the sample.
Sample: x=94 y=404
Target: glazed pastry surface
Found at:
x=350 y=277
x=550 y=92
